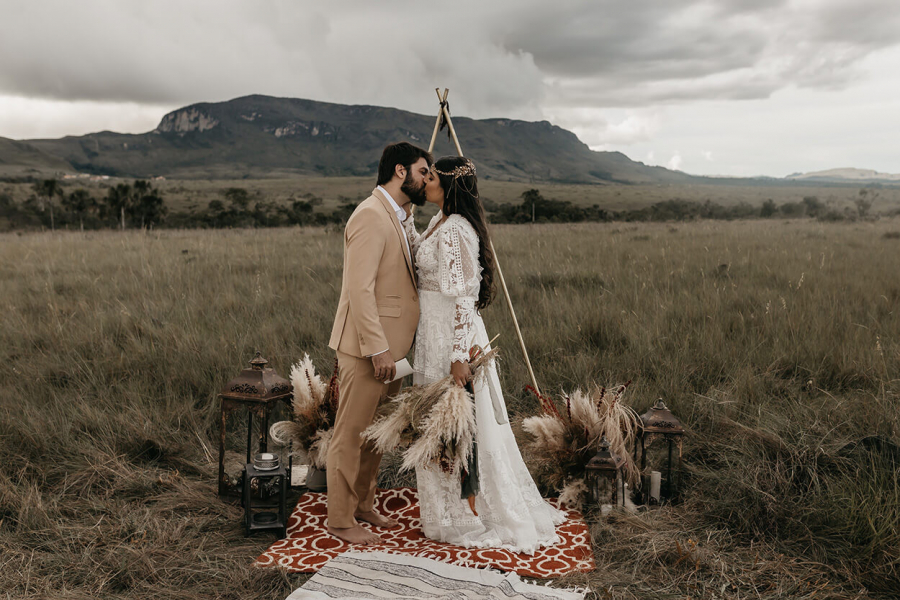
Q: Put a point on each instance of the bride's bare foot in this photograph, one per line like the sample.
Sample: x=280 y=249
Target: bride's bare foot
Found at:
x=355 y=535
x=377 y=520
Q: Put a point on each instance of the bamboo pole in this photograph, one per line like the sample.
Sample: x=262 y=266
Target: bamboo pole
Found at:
x=515 y=321
x=452 y=130
x=437 y=122
x=512 y=312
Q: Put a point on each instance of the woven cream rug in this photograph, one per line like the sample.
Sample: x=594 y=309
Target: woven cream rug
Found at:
x=400 y=576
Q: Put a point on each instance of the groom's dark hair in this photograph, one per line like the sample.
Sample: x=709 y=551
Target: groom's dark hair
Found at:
x=403 y=154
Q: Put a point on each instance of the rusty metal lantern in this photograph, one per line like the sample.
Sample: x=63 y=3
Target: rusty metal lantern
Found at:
x=604 y=477
x=660 y=423
x=259 y=390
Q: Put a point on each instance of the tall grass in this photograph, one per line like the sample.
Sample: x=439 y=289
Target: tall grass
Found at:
x=777 y=343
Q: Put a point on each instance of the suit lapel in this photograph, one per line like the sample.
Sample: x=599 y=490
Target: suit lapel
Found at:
x=401 y=235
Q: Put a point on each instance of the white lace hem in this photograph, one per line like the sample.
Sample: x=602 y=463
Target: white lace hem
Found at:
x=511 y=512
x=486 y=540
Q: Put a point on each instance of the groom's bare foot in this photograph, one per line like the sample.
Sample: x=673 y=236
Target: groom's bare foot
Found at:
x=377 y=520
x=355 y=535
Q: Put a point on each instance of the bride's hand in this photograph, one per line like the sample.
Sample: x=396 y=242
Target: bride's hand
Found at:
x=461 y=373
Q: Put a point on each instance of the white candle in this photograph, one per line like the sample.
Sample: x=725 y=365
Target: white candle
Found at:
x=655 y=483
x=298 y=475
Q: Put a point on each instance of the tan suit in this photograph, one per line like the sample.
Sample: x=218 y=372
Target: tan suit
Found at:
x=378 y=310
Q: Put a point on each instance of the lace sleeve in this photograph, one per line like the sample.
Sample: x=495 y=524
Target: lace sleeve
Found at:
x=460 y=278
x=412 y=236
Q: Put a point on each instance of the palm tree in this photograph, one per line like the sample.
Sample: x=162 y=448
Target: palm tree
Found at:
x=49 y=189
x=79 y=202
x=119 y=199
x=141 y=188
x=147 y=204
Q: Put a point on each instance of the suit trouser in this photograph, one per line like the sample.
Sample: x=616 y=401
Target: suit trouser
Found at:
x=352 y=466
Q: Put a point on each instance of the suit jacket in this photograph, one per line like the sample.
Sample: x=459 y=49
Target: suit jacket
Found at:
x=379 y=305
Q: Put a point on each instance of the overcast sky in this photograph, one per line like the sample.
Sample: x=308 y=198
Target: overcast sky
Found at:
x=730 y=87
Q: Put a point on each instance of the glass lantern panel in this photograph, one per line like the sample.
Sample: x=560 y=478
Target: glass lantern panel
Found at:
x=603 y=491
x=657 y=459
x=235 y=446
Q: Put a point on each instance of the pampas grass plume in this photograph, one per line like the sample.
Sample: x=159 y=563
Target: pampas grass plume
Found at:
x=318 y=450
x=311 y=428
x=450 y=423
x=573 y=494
x=387 y=433
x=584 y=414
x=437 y=420
x=548 y=431
x=309 y=390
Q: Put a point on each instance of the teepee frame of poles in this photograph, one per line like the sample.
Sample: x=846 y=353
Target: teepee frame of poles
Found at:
x=444 y=115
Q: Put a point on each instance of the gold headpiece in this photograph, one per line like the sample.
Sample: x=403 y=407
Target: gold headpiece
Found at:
x=464 y=170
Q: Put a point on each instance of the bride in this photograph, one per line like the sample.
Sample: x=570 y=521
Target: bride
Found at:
x=455 y=269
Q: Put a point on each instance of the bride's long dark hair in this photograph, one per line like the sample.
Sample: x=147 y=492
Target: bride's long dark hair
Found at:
x=461 y=198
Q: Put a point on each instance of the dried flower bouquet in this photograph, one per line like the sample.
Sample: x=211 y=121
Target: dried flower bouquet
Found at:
x=565 y=437
x=436 y=422
x=314 y=409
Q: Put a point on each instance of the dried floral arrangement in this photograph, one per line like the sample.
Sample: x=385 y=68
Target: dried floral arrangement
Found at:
x=565 y=436
x=314 y=409
x=436 y=422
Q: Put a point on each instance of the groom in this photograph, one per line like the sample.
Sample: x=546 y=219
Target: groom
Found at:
x=375 y=324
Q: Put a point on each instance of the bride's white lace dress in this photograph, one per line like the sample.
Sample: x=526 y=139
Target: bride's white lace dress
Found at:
x=511 y=512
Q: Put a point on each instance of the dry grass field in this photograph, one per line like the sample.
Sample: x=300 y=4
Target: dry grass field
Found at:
x=776 y=342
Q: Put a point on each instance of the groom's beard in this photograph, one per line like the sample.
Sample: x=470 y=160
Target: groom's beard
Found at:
x=415 y=194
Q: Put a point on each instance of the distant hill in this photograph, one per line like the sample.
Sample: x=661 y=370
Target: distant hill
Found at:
x=262 y=136
x=20 y=154
x=847 y=175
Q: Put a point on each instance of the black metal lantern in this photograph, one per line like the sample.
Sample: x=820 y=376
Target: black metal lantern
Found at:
x=260 y=390
x=604 y=477
x=659 y=423
x=265 y=495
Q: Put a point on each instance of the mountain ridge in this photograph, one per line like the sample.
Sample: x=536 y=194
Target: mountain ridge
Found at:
x=14 y=153
x=846 y=174
x=260 y=136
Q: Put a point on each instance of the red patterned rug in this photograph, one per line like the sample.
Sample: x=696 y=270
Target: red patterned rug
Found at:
x=308 y=545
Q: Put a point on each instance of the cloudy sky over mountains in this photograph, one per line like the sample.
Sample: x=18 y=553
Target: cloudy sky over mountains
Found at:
x=732 y=87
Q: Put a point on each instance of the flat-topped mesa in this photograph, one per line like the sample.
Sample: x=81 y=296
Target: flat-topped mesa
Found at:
x=187 y=119
x=258 y=136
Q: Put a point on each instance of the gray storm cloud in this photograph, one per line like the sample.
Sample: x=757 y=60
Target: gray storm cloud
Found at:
x=659 y=79
x=612 y=54
x=512 y=56
x=181 y=52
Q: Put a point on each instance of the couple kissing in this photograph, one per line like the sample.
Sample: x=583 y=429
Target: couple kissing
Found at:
x=401 y=288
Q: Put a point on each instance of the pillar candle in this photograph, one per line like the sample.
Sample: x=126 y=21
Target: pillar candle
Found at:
x=655 y=483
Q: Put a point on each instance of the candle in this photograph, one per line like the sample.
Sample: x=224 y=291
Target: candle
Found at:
x=655 y=483
x=298 y=475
